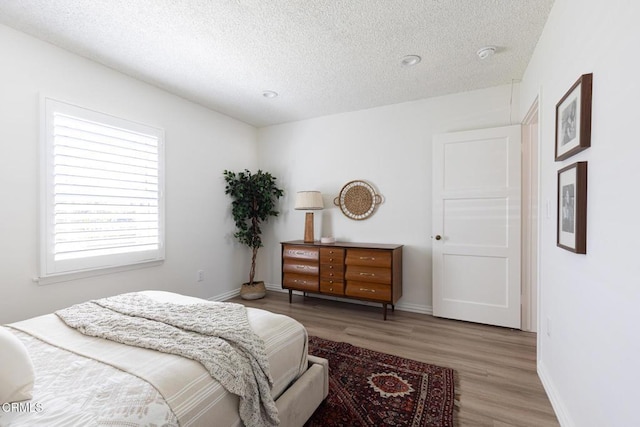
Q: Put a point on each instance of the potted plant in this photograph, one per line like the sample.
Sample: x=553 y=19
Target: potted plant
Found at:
x=254 y=201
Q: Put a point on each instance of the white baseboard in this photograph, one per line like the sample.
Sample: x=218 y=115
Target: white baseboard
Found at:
x=413 y=308
x=276 y=288
x=226 y=296
x=561 y=413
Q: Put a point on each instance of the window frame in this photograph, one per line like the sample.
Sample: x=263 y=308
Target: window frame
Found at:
x=50 y=269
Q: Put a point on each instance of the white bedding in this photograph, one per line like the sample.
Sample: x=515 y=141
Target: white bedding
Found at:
x=73 y=390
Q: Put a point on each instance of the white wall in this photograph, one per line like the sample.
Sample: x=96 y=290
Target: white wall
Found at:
x=389 y=147
x=200 y=144
x=589 y=361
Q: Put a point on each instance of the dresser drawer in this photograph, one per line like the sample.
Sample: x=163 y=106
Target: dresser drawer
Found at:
x=368 y=274
x=332 y=287
x=300 y=282
x=331 y=274
x=332 y=256
x=368 y=257
x=300 y=267
x=300 y=252
x=367 y=290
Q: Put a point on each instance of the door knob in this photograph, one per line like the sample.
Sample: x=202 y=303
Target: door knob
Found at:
x=438 y=237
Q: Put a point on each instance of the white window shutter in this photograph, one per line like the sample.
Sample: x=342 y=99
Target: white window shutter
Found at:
x=104 y=191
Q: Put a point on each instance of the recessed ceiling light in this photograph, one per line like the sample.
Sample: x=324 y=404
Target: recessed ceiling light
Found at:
x=486 y=52
x=270 y=94
x=410 y=60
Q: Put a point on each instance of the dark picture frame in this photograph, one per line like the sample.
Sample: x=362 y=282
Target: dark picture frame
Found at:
x=573 y=119
x=572 y=208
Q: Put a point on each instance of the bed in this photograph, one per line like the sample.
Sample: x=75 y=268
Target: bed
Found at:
x=85 y=380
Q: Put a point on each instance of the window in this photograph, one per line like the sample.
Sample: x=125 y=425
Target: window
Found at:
x=102 y=197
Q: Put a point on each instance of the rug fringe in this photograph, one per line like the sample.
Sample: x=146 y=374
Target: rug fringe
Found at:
x=456 y=398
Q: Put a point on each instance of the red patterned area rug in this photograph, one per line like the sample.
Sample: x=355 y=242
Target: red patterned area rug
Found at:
x=367 y=388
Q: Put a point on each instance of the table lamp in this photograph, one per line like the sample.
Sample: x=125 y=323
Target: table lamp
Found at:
x=309 y=201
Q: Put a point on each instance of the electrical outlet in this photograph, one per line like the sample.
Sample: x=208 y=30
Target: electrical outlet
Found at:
x=200 y=275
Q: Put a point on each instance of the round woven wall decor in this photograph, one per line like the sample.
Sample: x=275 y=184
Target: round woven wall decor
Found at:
x=357 y=200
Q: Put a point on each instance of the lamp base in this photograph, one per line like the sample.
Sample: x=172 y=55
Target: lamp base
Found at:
x=308 y=228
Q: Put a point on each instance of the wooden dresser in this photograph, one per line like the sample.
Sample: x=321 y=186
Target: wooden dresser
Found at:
x=362 y=271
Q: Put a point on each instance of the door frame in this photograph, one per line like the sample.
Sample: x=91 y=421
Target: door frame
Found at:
x=530 y=260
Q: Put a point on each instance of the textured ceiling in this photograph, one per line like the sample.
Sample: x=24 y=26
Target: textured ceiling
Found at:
x=321 y=56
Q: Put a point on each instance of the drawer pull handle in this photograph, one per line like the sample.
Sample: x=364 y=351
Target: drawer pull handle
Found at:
x=373 y=291
x=368 y=274
x=368 y=257
x=331 y=266
x=331 y=289
x=330 y=281
x=300 y=252
x=330 y=259
x=301 y=267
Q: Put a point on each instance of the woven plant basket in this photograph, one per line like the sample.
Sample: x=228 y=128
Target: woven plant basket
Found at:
x=255 y=291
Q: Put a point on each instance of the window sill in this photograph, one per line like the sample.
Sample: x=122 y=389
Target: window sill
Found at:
x=68 y=277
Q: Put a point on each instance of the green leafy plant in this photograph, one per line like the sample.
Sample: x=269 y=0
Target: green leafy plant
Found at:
x=254 y=201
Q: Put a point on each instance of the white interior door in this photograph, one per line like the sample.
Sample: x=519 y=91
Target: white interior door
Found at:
x=476 y=226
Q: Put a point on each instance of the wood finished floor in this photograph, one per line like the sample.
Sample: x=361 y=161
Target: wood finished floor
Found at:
x=498 y=384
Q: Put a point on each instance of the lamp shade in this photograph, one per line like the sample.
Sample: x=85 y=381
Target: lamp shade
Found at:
x=309 y=200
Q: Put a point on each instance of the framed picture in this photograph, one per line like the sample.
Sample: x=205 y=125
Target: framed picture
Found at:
x=573 y=119
x=572 y=208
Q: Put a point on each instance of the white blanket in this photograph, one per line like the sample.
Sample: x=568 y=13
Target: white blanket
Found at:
x=75 y=391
